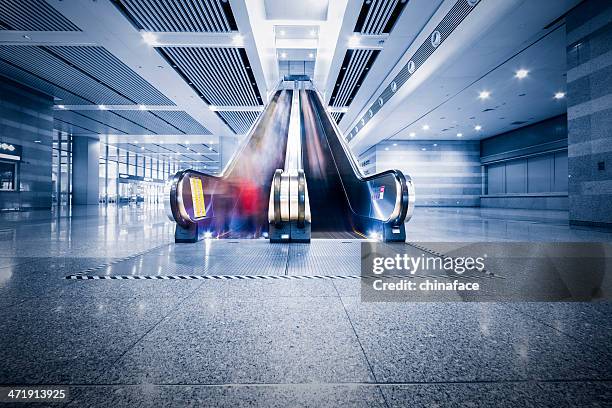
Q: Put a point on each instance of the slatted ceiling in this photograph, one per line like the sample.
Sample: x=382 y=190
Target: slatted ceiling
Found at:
x=355 y=68
x=102 y=65
x=150 y=121
x=32 y=15
x=239 y=121
x=217 y=73
x=379 y=16
x=70 y=128
x=183 y=121
x=42 y=64
x=28 y=79
x=337 y=116
x=85 y=122
x=118 y=120
x=180 y=15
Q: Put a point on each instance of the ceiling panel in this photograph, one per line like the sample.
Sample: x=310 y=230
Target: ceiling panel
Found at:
x=183 y=121
x=102 y=65
x=44 y=65
x=355 y=68
x=32 y=15
x=62 y=95
x=239 y=121
x=220 y=75
x=179 y=15
x=379 y=16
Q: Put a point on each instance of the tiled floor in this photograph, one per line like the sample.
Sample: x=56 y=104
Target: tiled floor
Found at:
x=279 y=342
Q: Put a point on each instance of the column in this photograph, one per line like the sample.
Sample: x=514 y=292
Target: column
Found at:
x=85 y=170
x=589 y=113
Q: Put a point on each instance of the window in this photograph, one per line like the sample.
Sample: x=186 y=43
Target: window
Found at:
x=8 y=176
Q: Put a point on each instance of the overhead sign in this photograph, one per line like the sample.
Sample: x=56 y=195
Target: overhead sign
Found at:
x=10 y=151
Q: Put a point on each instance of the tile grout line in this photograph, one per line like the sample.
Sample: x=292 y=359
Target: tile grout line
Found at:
x=365 y=356
x=172 y=309
x=535 y=319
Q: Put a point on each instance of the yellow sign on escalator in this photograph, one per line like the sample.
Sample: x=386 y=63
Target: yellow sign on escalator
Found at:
x=197 y=196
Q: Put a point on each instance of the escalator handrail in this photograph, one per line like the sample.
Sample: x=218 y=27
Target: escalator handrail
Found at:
x=405 y=199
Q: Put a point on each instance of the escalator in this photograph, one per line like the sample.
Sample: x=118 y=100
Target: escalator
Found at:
x=233 y=204
x=327 y=196
x=330 y=211
x=295 y=179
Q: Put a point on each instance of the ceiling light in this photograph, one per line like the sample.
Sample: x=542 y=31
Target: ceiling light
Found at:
x=283 y=55
x=560 y=95
x=313 y=33
x=521 y=73
x=435 y=144
x=161 y=142
x=394 y=144
x=484 y=94
x=425 y=127
x=142 y=107
x=149 y=38
x=238 y=39
x=102 y=107
x=412 y=134
x=135 y=141
x=459 y=134
x=141 y=147
x=311 y=55
x=186 y=141
x=353 y=41
x=386 y=148
x=61 y=106
x=477 y=127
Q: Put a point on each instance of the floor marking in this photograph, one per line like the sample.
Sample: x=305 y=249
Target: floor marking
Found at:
x=248 y=277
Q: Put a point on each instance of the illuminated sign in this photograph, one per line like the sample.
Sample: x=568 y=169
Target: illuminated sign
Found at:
x=197 y=196
x=10 y=151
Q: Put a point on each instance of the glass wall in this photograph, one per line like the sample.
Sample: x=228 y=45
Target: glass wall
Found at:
x=130 y=177
x=61 y=168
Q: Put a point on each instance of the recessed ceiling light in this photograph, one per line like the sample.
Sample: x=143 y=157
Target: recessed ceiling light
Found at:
x=149 y=38
x=37 y=141
x=238 y=39
x=459 y=134
x=477 y=127
x=311 y=55
x=423 y=149
x=412 y=134
x=521 y=73
x=102 y=107
x=435 y=144
x=386 y=148
x=354 y=41
x=484 y=94
x=394 y=144
x=61 y=106
x=283 y=55
x=142 y=107
x=425 y=127
x=559 y=95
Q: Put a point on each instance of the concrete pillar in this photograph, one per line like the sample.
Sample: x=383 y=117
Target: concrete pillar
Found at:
x=85 y=170
x=589 y=112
